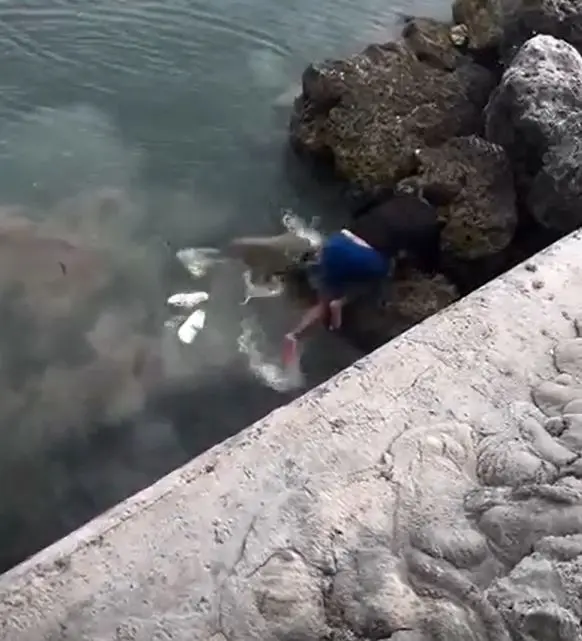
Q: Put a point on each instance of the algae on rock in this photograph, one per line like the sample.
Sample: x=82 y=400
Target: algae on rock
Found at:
x=411 y=297
x=369 y=113
x=481 y=217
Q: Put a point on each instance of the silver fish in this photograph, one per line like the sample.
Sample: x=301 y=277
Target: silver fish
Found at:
x=190 y=328
x=188 y=300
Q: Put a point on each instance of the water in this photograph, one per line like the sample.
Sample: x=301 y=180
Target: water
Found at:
x=130 y=130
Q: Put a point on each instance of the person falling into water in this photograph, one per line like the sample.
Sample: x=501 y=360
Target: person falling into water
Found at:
x=363 y=254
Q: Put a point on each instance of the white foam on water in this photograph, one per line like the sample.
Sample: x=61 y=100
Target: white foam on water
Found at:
x=269 y=289
x=267 y=368
x=295 y=224
x=188 y=300
x=286 y=98
x=198 y=260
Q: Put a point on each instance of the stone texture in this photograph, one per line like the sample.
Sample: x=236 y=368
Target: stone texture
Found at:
x=407 y=300
x=370 y=112
x=481 y=215
x=431 y=42
x=425 y=493
x=536 y=114
x=483 y=19
x=524 y=19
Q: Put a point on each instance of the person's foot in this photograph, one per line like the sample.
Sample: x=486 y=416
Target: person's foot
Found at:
x=289 y=349
x=335 y=313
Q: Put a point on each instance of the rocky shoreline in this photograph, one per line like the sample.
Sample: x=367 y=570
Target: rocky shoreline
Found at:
x=480 y=116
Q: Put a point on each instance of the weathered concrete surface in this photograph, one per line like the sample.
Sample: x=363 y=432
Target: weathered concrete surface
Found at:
x=421 y=494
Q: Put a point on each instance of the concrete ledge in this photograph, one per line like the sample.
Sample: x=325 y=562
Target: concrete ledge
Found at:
x=407 y=496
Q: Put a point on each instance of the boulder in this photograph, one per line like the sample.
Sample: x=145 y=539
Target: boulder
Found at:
x=524 y=19
x=367 y=114
x=432 y=42
x=481 y=215
x=483 y=21
x=408 y=299
x=536 y=115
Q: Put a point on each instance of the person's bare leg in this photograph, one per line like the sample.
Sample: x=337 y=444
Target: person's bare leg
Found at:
x=309 y=318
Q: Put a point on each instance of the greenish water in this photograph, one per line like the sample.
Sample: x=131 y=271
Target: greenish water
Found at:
x=182 y=107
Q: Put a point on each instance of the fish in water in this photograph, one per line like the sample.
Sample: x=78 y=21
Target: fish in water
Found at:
x=188 y=300
x=271 y=255
x=192 y=326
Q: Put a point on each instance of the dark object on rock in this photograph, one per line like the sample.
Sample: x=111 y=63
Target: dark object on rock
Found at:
x=403 y=223
x=536 y=114
x=368 y=114
x=409 y=299
x=524 y=19
x=431 y=42
x=475 y=176
x=482 y=19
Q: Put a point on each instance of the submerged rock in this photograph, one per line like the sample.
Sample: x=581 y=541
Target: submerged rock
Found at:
x=524 y=19
x=370 y=112
x=536 y=114
x=481 y=216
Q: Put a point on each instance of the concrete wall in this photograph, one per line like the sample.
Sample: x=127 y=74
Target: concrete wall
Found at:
x=412 y=495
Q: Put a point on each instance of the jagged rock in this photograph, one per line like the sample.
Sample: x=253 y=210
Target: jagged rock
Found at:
x=481 y=215
x=370 y=112
x=409 y=299
x=524 y=19
x=540 y=599
x=482 y=19
x=431 y=42
x=536 y=114
x=459 y=35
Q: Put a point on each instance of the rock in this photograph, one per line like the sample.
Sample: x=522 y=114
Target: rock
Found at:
x=459 y=35
x=370 y=112
x=540 y=599
x=536 y=115
x=431 y=42
x=524 y=19
x=409 y=299
x=482 y=20
x=481 y=216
